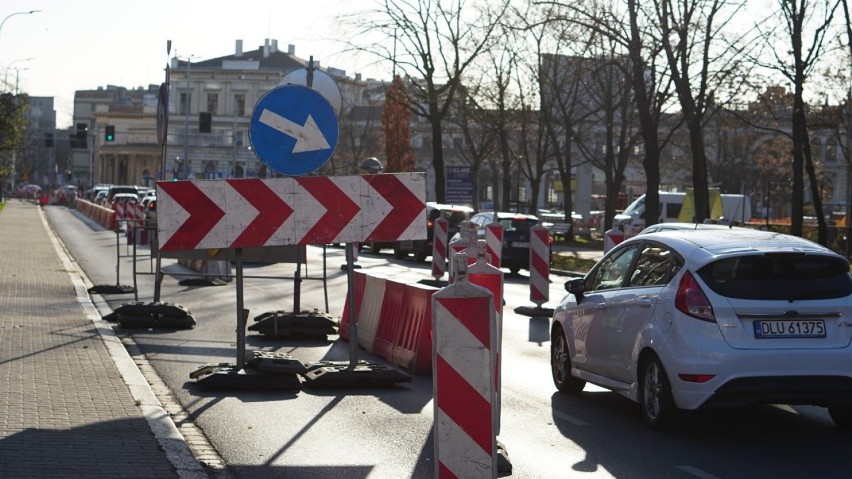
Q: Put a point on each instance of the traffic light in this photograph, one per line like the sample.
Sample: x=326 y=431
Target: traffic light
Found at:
x=109 y=135
x=205 y=118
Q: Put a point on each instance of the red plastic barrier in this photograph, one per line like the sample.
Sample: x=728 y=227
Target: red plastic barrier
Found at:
x=360 y=282
x=413 y=343
x=369 y=314
x=389 y=319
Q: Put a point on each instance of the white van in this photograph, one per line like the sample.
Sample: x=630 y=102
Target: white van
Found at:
x=727 y=207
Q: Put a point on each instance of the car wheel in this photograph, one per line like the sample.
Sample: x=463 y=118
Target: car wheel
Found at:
x=842 y=416
x=560 y=364
x=655 y=396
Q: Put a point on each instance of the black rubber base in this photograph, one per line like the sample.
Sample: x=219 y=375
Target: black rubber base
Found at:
x=283 y=324
x=268 y=361
x=338 y=374
x=345 y=267
x=112 y=289
x=152 y=315
x=435 y=283
x=534 y=311
x=227 y=377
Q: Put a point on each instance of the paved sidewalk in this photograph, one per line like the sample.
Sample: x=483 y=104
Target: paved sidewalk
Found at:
x=72 y=402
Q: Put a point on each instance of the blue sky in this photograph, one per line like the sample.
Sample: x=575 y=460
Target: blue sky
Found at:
x=82 y=44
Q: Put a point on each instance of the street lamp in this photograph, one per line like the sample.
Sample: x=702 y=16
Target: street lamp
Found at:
x=16 y=13
x=8 y=67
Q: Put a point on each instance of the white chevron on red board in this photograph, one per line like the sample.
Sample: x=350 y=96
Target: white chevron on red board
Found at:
x=252 y=212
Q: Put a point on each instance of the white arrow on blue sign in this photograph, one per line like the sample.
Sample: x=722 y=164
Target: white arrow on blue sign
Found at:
x=293 y=130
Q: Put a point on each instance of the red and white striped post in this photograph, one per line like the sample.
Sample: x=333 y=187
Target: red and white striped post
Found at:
x=539 y=265
x=464 y=356
x=120 y=214
x=483 y=273
x=494 y=240
x=440 y=231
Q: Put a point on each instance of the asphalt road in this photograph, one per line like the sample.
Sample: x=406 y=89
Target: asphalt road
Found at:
x=386 y=433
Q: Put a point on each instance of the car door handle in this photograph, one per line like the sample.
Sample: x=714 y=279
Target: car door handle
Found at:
x=600 y=306
x=645 y=302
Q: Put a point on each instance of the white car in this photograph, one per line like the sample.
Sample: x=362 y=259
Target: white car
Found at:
x=688 y=319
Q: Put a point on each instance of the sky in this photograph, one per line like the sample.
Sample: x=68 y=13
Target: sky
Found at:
x=74 y=45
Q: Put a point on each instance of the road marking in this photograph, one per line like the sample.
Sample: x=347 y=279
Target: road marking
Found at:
x=568 y=418
x=697 y=472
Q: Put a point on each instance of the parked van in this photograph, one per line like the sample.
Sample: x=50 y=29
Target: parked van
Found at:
x=679 y=206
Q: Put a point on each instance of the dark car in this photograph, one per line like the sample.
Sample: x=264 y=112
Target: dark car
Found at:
x=454 y=214
x=516 y=237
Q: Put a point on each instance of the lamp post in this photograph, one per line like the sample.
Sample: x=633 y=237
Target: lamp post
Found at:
x=16 y=13
x=6 y=73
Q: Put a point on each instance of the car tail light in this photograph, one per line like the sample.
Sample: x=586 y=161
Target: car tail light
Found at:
x=691 y=300
x=428 y=224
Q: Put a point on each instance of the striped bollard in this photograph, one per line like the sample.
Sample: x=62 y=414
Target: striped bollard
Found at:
x=464 y=358
x=484 y=273
x=539 y=265
x=439 y=247
x=118 y=207
x=494 y=241
x=458 y=245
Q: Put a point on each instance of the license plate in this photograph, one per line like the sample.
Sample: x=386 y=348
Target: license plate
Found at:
x=789 y=329
x=520 y=244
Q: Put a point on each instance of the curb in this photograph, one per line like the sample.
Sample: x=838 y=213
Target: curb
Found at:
x=162 y=426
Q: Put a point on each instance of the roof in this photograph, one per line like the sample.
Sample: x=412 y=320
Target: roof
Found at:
x=276 y=60
x=733 y=241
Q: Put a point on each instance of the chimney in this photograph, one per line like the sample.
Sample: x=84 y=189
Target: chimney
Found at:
x=274 y=46
x=239 y=51
x=291 y=49
x=266 y=48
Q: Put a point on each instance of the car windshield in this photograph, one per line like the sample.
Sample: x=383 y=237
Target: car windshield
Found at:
x=788 y=277
x=636 y=208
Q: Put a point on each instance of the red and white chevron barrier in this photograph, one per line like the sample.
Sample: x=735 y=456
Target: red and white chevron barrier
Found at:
x=494 y=241
x=539 y=265
x=440 y=231
x=465 y=359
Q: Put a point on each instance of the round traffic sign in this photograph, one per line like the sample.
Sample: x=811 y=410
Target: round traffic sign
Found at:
x=320 y=81
x=293 y=130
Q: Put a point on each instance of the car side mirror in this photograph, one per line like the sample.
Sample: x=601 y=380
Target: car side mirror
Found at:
x=576 y=287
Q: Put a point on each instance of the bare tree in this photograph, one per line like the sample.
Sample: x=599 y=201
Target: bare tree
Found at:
x=433 y=44
x=699 y=64
x=804 y=26
x=650 y=84
x=396 y=117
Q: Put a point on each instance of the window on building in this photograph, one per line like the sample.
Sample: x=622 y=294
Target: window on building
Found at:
x=213 y=103
x=184 y=103
x=240 y=104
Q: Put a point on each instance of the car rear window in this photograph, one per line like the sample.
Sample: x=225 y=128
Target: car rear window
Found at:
x=518 y=224
x=788 y=277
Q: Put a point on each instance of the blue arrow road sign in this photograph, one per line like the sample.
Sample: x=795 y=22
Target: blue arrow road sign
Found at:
x=293 y=130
